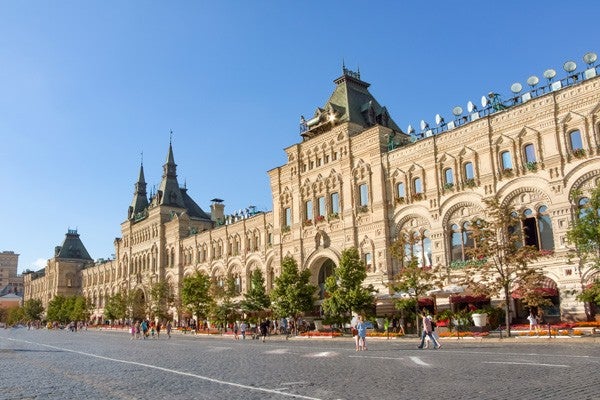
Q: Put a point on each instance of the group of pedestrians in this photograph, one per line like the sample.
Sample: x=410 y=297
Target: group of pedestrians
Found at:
x=149 y=329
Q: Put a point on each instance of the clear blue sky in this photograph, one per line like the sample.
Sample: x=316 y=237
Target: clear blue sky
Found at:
x=86 y=86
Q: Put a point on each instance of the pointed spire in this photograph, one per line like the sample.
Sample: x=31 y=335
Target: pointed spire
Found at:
x=140 y=198
x=169 y=191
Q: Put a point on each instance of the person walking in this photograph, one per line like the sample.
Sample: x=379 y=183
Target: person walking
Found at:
x=243 y=327
x=236 y=329
x=533 y=322
x=361 y=329
x=427 y=332
x=169 y=327
x=158 y=327
x=132 y=329
x=264 y=329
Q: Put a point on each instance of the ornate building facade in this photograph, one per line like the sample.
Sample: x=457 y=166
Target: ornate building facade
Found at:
x=355 y=179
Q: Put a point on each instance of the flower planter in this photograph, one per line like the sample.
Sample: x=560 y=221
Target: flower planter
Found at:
x=318 y=325
x=480 y=320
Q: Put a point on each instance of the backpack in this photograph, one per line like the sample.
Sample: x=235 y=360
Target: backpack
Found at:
x=433 y=326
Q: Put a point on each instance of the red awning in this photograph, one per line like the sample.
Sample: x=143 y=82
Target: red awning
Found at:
x=457 y=299
x=546 y=288
x=425 y=301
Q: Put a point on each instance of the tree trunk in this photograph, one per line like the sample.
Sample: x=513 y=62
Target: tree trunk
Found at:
x=417 y=318
x=507 y=310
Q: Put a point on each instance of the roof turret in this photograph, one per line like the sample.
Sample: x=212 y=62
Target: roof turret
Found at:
x=351 y=101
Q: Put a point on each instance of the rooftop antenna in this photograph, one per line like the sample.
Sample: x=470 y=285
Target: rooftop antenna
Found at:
x=549 y=74
x=439 y=120
x=590 y=58
x=532 y=81
x=484 y=101
x=410 y=130
x=569 y=66
x=516 y=88
x=457 y=111
x=471 y=107
x=424 y=125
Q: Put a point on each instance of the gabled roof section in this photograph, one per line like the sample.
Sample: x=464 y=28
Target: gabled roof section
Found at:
x=351 y=101
x=72 y=248
x=193 y=209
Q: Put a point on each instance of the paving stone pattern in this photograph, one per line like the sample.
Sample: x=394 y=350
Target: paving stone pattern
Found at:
x=57 y=364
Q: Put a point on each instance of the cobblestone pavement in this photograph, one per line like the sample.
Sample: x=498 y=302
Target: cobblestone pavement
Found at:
x=42 y=364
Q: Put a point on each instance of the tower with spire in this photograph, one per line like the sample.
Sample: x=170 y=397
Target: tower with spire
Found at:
x=139 y=204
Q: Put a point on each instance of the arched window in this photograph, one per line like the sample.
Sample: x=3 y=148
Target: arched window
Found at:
x=575 y=140
x=418 y=246
x=417 y=185
x=335 y=202
x=537 y=229
x=460 y=242
x=581 y=205
x=364 y=194
x=448 y=177
x=325 y=272
x=400 y=190
x=287 y=212
x=469 y=171
x=506 y=159
x=529 y=151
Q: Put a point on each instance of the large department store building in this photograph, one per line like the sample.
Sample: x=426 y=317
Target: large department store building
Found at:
x=355 y=179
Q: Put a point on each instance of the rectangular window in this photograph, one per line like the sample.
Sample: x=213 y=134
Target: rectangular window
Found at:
x=308 y=210
x=368 y=261
x=288 y=216
x=364 y=194
x=322 y=209
x=335 y=202
x=530 y=154
x=506 y=160
x=418 y=187
x=449 y=176
x=401 y=190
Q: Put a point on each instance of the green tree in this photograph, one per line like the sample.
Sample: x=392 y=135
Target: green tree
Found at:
x=584 y=234
x=256 y=298
x=15 y=315
x=224 y=310
x=58 y=310
x=161 y=299
x=116 y=307
x=502 y=259
x=196 y=294
x=136 y=305
x=79 y=308
x=292 y=293
x=344 y=290
x=33 y=309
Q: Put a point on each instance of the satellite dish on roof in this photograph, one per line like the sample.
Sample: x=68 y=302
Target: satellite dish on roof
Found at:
x=549 y=74
x=439 y=119
x=484 y=101
x=533 y=80
x=457 y=111
x=590 y=58
x=516 y=87
x=471 y=107
x=424 y=125
x=569 y=66
x=410 y=129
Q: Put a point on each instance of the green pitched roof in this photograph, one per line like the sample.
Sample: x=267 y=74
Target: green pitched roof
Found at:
x=350 y=101
x=72 y=248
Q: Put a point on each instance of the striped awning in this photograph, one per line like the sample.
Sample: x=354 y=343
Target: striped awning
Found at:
x=546 y=287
